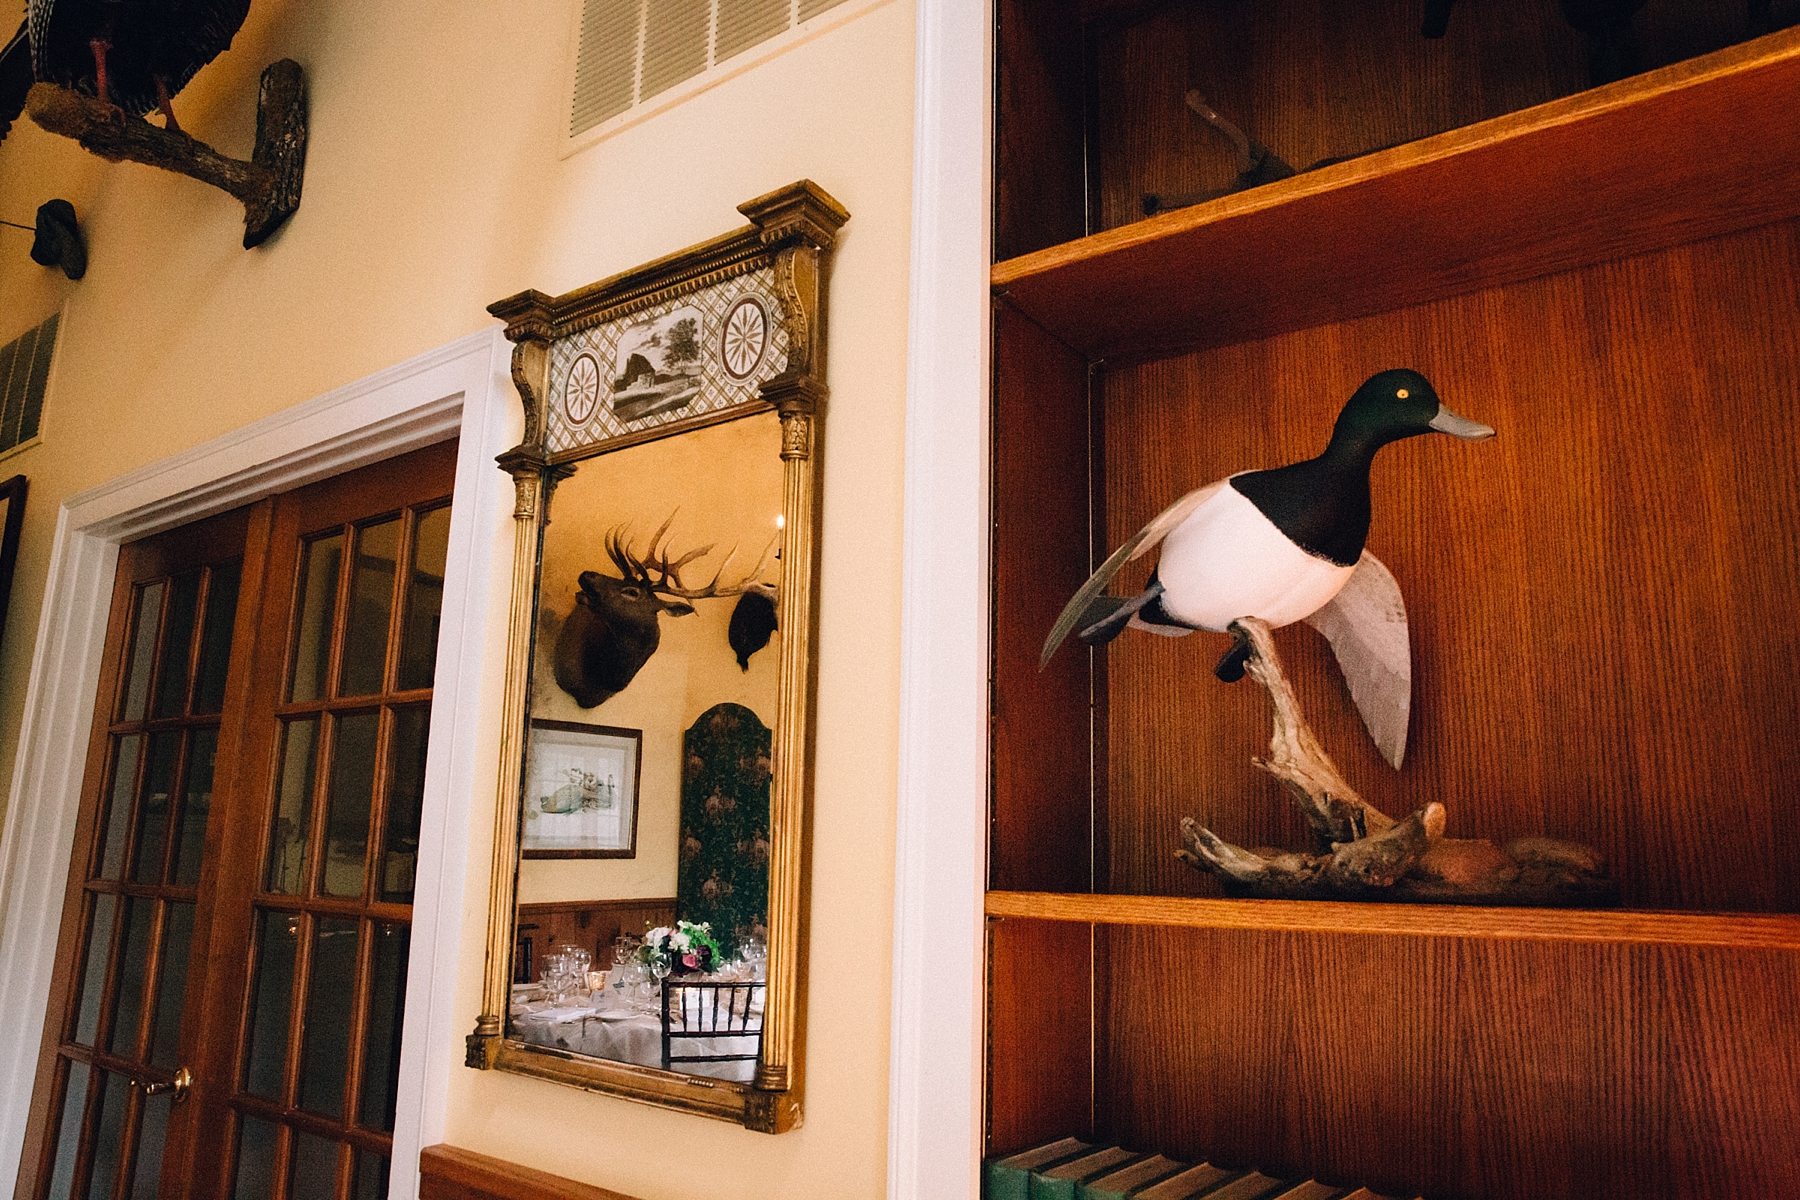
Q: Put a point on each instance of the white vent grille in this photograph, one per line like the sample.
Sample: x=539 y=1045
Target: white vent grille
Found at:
x=633 y=50
x=24 y=373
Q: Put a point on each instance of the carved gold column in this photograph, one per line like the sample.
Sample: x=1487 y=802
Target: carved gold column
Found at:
x=525 y=463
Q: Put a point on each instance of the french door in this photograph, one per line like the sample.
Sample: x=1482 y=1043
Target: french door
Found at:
x=225 y=1016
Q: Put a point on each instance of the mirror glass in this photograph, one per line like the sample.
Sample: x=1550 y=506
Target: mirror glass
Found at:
x=642 y=909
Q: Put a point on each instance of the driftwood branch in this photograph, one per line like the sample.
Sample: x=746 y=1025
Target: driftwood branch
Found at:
x=1365 y=854
x=268 y=185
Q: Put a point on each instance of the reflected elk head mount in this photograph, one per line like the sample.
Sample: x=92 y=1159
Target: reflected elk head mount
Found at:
x=614 y=627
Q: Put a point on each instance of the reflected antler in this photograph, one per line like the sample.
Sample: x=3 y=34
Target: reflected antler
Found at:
x=667 y=578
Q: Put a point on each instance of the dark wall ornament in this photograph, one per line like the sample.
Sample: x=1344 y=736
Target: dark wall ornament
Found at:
x=57 y=241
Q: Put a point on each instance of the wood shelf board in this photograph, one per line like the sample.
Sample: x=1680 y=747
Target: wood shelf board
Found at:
x=1743 y=931
x=1686 y=152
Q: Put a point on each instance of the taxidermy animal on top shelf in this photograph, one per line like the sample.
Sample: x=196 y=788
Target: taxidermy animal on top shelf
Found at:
x=615 y=626
x=1286 y=545
x=102 y=64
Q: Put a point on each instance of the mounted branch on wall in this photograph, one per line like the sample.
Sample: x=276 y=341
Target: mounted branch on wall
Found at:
x=268 y=184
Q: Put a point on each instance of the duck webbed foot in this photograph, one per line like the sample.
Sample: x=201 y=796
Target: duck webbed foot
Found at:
x=1230 y=668
x=1362 y=853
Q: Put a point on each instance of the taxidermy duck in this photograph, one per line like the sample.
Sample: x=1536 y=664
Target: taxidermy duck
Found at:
x=1286 y=545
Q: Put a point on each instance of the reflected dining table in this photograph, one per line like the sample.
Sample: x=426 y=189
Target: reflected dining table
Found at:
x=615 y=1028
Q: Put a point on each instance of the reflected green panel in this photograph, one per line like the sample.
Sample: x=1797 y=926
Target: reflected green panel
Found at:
x=330 y=1001
x=381 y=1032
x=405 y=797
x=153 y=1124
x=68 y=1136
x=215 y=639
x=136 y=695
x=371 y=604
x=278 y=936
x=293 y=806
x=352 y=791
x=171 y=989
x=134 y=954
x=257 y=1143
x=371 y=1181
x=93 y=978
x=109 y=1140
x=314 y=1169
x=424 y=600
x=318 y=618
x=153 y=807
x=118 y=808
x=171 y=686
x=196 y=806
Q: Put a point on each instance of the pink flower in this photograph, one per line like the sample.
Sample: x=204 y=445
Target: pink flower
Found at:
x=690 y=961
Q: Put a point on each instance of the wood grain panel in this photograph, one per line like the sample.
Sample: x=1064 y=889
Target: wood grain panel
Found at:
x=1040 y=723
x=1040 y=182
x=589 y=924
x=1757 y=931
x=1482 y=1070
x=448 y=1173
x=1699 y=149
x=1601 y=597
x=1040 y=1033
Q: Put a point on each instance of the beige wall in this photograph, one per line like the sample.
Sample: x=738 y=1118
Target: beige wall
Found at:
x=433 y=187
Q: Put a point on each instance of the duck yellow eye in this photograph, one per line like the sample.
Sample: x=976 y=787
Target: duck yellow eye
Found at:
x=1403 y=393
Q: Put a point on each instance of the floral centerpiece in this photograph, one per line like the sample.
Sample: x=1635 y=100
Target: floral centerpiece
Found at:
x=686 y=947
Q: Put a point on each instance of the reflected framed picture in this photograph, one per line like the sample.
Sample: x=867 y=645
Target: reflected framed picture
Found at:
x=581 y=790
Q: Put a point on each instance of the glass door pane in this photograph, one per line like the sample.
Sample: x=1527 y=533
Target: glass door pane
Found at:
x=347 y=709
x=126 y=1013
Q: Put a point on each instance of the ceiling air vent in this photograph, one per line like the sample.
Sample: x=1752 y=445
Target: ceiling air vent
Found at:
x=632 y=51
x=24 y=373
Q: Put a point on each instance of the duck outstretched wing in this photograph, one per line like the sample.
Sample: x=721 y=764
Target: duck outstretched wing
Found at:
x=1139 y=543
x=1366 y=626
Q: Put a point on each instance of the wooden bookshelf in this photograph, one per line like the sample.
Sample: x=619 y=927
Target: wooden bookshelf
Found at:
x=1740 y=931
x=1601 y=606
x=1693 y=150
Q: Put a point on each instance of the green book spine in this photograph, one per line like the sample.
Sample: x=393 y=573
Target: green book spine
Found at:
x=1001 y=1182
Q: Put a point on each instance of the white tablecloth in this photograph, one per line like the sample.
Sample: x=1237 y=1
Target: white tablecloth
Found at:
x=621 y=1033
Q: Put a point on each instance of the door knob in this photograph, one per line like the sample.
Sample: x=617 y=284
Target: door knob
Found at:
x=179 y=1085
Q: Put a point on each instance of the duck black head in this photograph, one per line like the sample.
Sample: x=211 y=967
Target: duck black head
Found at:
x=1398 y=404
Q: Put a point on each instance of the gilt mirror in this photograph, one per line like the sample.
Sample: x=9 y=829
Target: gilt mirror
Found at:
x=646 y=931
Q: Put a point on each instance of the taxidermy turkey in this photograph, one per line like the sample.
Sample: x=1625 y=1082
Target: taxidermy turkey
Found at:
x=132 y=53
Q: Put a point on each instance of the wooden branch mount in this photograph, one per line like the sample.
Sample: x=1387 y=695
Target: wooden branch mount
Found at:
x=268 y=185
x=1364 y=854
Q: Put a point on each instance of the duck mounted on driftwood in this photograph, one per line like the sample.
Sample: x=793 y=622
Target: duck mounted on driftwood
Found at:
x=1261 y=549
x=1286 y=545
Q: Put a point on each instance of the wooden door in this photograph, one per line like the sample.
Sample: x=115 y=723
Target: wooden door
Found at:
x=225 y=1019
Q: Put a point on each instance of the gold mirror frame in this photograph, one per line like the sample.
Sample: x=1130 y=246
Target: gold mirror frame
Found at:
x=791 y=234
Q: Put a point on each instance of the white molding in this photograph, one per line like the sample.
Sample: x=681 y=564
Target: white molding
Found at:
x=462 y=386
x=935 y=1089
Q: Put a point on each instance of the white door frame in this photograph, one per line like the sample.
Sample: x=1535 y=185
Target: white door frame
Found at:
x=460 y=388
x=935 y=1101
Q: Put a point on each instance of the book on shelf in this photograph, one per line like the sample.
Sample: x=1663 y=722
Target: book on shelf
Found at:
x=1063 y=1181
x=1009 y=1178
x=1071 y=1169
x=1129 y=1181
